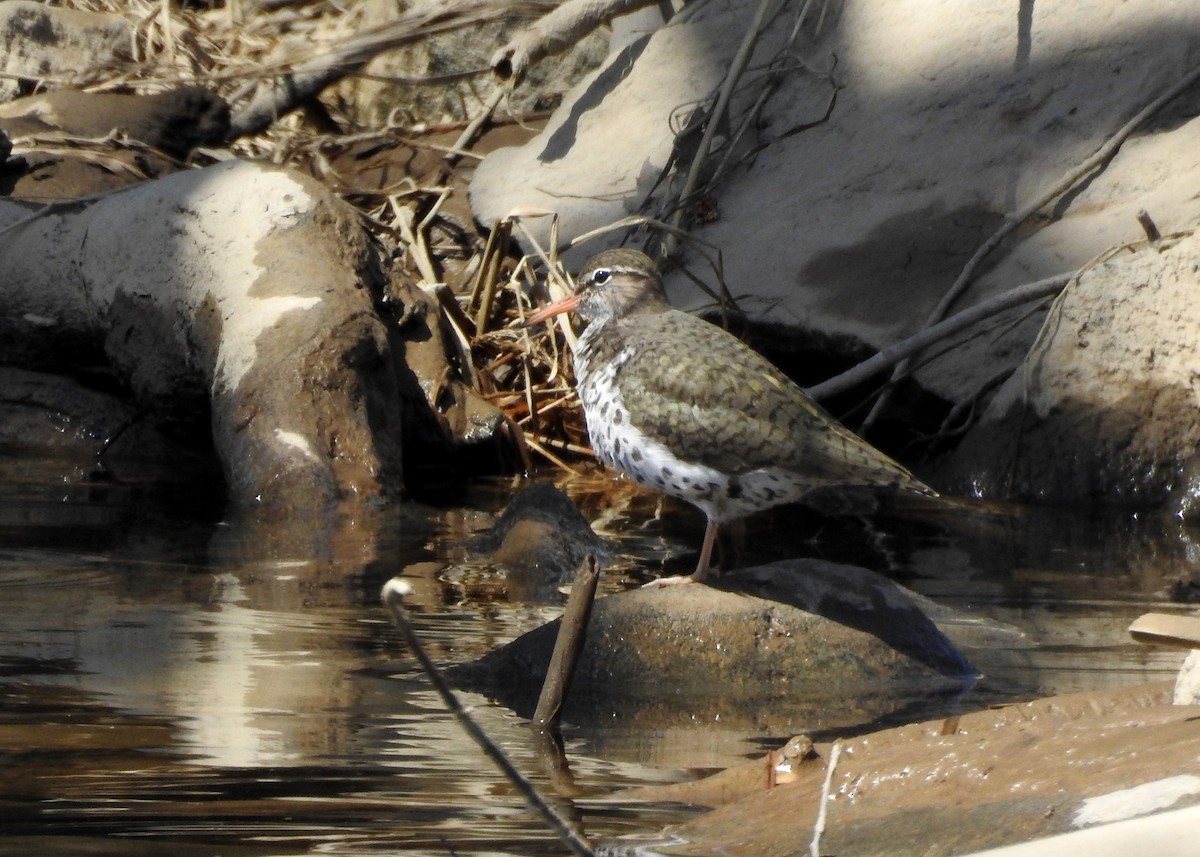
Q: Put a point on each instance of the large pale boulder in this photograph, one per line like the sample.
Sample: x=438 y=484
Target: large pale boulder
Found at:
x=1106 y=407
x=39 y=41
x=240 y=290
x=943 y=120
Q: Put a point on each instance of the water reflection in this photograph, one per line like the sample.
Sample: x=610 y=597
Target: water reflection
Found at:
x=174 y=682
x=182 y=684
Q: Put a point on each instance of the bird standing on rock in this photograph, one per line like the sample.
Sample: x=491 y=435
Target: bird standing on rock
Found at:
x=687 y=409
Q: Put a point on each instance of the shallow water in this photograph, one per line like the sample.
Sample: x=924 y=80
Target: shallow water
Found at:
x=175 y=683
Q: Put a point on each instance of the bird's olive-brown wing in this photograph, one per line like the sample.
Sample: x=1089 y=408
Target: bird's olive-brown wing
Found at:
x=712 y=399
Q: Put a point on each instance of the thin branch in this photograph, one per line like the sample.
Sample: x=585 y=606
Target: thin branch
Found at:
x=306 y=79
x=745 y=51
x=471 y=133
x=906 y=349
x=814 y=848
x=572 y=631
x=555 y=33
x=393 y=595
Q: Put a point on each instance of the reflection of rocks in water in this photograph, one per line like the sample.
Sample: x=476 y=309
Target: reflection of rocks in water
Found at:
x=533 y=550
x=1186 y=591
x=793 y=643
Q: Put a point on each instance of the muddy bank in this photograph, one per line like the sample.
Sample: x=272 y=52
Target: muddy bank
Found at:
x=956 y=785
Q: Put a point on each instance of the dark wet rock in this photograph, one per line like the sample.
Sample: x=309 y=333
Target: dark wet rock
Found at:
x=531 y=553
x=38 y=41
x=443 y=412
x=51 y=412
x=1185 y=590
x=749 y=651
x=96 y=441
x=43 y=414
x=1104 y=409
x=540 y=540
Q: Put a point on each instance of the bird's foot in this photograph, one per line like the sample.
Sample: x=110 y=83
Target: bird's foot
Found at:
x=696 y=576
x=674 y=580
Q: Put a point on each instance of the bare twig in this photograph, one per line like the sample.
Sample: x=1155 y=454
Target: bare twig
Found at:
x=555 y=33
x=1148 y=226
x=305 y=79
x=483 y=291
x=541 y=450
x=471 y=133
x=572 y=631
x=394 y=592
x=814 y=848
x=713 y=122
x=907 y=348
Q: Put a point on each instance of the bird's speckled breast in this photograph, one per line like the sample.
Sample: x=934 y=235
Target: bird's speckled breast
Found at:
x=623 y=446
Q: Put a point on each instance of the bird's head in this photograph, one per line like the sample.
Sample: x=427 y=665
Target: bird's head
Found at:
x=612 y=284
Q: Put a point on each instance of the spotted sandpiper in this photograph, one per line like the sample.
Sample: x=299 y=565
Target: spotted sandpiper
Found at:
x=685 y=408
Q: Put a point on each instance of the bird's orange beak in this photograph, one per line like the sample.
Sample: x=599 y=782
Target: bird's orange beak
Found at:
x=567 y=304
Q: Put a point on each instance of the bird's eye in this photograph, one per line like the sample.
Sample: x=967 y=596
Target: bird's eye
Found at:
x=601 y=276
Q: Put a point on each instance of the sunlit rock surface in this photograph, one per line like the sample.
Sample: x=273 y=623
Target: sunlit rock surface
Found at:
x=236 y=290
x=954 y=785
x=795 y=641
x=902 y=135
x=39 y=40
x=1105 y=409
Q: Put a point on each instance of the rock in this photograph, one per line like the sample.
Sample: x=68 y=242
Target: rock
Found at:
x=605 y=146
x=240 y=293
x=53 y=414
x=442 y=412
x=951 y=786
x=795 y=641
x=540 y=541
x=88 y=433
x=1187 y=684
x=39 y=41
x=1105 y=407
x=844 y=231
x=175 y=121
x=50 y=168
x=531 y=553
x=385 y=98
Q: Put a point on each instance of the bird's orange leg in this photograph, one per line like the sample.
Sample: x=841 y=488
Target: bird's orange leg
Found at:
x=702 y=566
